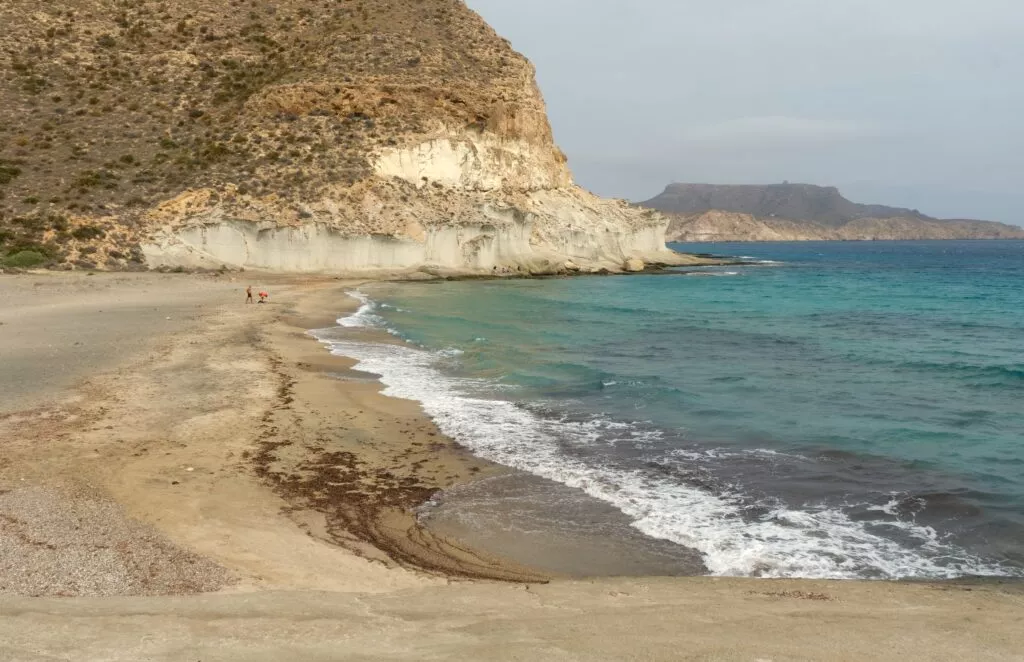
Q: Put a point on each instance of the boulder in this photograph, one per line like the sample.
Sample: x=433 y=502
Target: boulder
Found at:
x=633 y=264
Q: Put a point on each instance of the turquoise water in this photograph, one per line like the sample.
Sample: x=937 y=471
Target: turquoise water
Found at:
x=834 y=410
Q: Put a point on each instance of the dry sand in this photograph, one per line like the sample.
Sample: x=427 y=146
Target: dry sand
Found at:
x=224 y=451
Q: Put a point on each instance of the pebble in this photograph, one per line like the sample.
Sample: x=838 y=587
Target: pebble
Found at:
x=53 y=543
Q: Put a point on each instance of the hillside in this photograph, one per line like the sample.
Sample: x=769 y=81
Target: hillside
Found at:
x=291 y=135
x=796 y=212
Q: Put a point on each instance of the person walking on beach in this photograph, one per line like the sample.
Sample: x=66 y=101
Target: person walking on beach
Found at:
x=248 y=295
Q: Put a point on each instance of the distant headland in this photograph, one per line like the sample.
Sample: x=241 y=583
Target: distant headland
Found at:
x=802 y=212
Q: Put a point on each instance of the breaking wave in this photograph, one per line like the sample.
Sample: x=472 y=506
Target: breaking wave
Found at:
x=670 y=496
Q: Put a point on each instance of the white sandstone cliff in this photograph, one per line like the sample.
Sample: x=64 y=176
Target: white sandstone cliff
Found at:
x=466 y=203
x=336 y=137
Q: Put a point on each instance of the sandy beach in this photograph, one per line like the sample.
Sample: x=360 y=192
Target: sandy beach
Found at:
x=183 y=476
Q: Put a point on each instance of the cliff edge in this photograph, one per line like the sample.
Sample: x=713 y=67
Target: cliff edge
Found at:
x=294 y=136
x=802 y=212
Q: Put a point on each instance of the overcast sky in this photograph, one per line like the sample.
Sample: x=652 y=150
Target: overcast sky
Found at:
x=916 y=103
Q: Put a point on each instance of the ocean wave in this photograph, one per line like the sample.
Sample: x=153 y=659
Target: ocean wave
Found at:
x=937 y=504
x=974 y=374
x=727 y=453
x=365 y=315
x=776 y=541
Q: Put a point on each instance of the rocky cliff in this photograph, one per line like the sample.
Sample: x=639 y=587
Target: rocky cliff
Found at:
x=291 y=135
x=799 y=212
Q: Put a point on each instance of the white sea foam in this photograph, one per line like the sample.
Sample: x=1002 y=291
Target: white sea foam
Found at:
x=812 y=542
x=893 y=506
x=889 y=508
x=365 y=316
x=725 y=453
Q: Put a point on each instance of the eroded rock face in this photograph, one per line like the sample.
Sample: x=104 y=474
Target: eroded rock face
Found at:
x=307 y=137
x=467 y=200
x=483 y=162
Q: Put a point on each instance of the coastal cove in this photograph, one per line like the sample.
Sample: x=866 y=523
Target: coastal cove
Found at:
x=774 y=416
x=167 y=442
x=316 y=343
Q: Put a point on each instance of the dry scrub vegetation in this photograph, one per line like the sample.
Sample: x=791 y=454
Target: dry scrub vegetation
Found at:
x=108 y=107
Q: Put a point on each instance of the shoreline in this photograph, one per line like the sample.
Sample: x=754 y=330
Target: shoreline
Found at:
x=157 y=444
x=535 y=534
x=384 y=461
x=552 y=552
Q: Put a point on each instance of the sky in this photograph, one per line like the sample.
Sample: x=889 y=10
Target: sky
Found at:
x=913 y=103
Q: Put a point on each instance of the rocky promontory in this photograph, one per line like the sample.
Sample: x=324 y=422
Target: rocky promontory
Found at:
x=802 y=212
x=292 y=136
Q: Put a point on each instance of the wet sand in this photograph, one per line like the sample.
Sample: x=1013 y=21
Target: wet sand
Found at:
x=218 y=487
x=554 y=528
x=332 y=445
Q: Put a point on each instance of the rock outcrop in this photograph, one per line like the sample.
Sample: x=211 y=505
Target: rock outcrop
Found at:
x=634 y=265
x=802 y=212
x=296 y=136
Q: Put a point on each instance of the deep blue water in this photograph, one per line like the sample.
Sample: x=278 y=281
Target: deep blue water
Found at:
x=836 y=410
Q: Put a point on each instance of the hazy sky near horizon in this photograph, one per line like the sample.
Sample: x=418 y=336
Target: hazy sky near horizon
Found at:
x=916 y=103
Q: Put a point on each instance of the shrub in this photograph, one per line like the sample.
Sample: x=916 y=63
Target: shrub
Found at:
x=35 y=84
x=92 y=178
x=58 y=223
x=31 y=223
x=25 y=260
x=87 y=232
x=8 y=172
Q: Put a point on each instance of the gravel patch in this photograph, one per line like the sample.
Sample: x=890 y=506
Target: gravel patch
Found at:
x=57 y=544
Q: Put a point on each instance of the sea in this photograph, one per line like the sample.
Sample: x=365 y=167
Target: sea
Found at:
x=820 y=410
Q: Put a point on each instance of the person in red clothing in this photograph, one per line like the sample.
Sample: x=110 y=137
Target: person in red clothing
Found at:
x=263 y=297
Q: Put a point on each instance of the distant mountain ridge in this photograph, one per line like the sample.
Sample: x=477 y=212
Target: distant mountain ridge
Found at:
x=795 y=212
